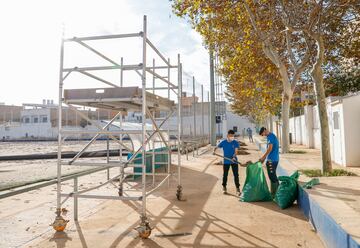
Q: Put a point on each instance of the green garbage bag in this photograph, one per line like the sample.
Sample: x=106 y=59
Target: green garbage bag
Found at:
x=287 y=192
x=255 y=187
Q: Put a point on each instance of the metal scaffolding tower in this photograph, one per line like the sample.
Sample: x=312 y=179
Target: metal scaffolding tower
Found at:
x=120 y=98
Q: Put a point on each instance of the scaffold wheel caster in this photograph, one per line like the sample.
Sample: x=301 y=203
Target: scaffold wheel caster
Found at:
x=59 y=224
x=120 y=192
x=144 y=230
x=179 y=194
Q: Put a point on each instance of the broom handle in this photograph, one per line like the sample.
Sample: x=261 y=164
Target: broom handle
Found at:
x=226 y=158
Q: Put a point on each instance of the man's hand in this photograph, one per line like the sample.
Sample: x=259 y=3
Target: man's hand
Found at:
x=262 y=160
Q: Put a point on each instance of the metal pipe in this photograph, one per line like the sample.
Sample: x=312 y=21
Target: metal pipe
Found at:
x=161 y=88
x=148 y=139
x=159 y=185
x=92 y=141
x=153 y=149
x=97 y=78
x=157 y=128
x=179 y=117
x=121 y=154
x=101 y=68
x=156 y=50
x=202 y=111
x=50 y=182
x=168 y=77
x=194 y=106
x=144 y=108
x=153 y=77
x=104 y=165
x=103 y=37
x=75 y=199
x=163 y=79
x=107 y=155
x=58 y=188
x=106 y=197
x=121 y=72
x=96 y=52
x=99 y=127
x=209 y=118
x=212 y=102
x=101 y=132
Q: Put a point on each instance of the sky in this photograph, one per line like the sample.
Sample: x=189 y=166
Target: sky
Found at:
x=30 y=37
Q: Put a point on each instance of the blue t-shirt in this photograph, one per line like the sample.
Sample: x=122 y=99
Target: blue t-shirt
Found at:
x=229 y=149
x=274 y=154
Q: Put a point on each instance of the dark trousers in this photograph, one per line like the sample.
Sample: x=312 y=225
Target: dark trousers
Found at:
x=235 y=170
x=271 y=169
x=251 y=138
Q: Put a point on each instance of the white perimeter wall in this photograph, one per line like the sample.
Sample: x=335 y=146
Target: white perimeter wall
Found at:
x=351 y=113
x=344 y=139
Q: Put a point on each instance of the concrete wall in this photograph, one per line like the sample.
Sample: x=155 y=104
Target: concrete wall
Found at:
x=344 y=119
x=298 y=130
x=351 y=116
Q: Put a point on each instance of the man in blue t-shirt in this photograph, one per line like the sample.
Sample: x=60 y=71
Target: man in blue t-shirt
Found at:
x=249 y=132
x=272 y=158
x=230 y=147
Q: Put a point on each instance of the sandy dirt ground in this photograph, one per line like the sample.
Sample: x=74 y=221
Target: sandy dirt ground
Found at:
x=211 y=218
x=22 y=148
x=18 y=172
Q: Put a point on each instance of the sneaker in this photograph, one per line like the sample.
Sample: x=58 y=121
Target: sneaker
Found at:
x=238 y=192
x=224 y=191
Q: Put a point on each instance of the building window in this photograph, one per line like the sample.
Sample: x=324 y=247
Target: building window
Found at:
x=44 y=119
x=26 y=119
x=235 y=129
x=336 y=120
x=35 y=119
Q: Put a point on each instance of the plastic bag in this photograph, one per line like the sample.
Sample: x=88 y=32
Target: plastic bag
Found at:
x=311 y=183
x=255 y=187
x=287 y=192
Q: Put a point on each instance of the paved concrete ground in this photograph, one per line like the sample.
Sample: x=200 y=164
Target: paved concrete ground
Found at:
x=213 y=219
x=338 y=196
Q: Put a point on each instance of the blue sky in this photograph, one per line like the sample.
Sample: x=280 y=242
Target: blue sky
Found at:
x=31 y=32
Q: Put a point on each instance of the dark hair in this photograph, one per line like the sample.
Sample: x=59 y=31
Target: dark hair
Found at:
x=262 y=130
x=231 y=131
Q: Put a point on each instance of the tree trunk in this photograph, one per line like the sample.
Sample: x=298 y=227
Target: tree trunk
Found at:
x=317 y=75
x=285 y=112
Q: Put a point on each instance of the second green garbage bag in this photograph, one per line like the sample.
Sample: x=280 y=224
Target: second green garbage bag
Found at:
x=255 y=187
x=287 y=192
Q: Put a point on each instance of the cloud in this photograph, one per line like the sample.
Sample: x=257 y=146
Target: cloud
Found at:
x=31 y=34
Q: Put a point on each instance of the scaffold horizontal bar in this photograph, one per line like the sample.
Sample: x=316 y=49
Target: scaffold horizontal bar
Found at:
x=110 y=67
x=162 y=88
x=100 y=132
x=147 y=174
x=105 y=197
x=104 y=37
x=164 y=153
x=102 y=164
x=162 y=67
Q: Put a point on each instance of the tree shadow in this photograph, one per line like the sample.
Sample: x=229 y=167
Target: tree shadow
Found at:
x=188 y=214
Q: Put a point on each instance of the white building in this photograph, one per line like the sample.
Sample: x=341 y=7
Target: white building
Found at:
x=344 y=120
